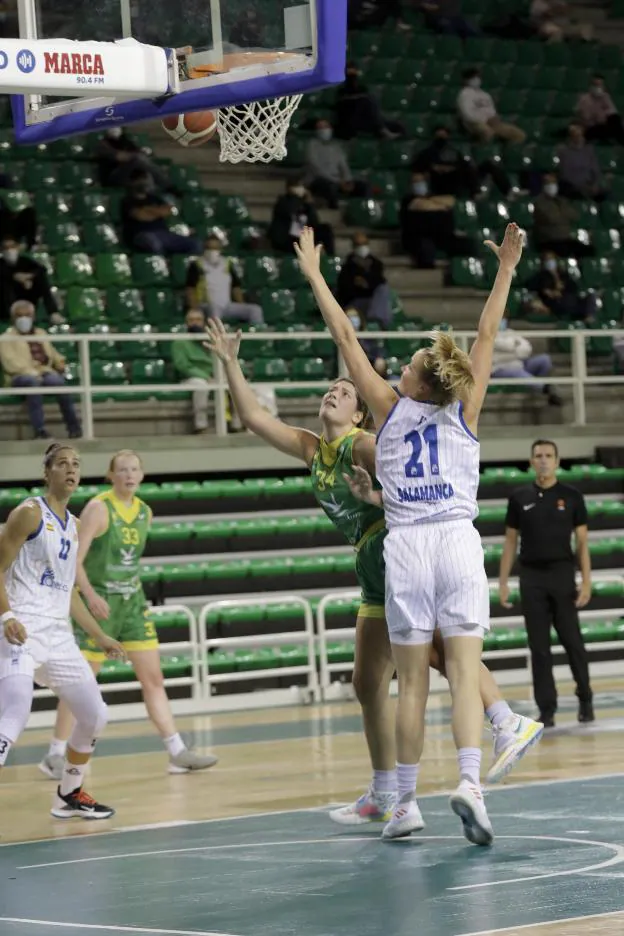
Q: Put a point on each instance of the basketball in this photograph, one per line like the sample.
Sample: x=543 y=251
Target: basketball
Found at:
x=191 y=129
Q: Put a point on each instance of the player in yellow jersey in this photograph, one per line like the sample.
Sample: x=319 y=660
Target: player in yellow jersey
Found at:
x=333 y=459
x=113 y=532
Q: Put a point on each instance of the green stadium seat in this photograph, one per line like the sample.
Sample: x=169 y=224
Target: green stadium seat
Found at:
x=290 y=349
x=76 y=175
x=363 y=212
x=259 y=272
x=99 y=238
x=231 y=209
x=308 y=369
x=290 y=276
x=467 y=271
x=148 y=372
x=199 y=209
x=89 y=205
x=48 y=205
x=63 y=236
x=382 y=184
x=124 y=306
x=185 y=178
x=150 y=270
x=381 y=70
x=160 y=306
x=395 y=154
x=113 y=269
x=74 y=269
x=596 y=272
x=363 y=154
x=270 y=369
x=39 y=175
x=278 y=306
x=330 y=268
x=108 y=372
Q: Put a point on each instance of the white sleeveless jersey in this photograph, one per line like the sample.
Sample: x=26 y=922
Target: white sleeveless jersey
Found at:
x=41 y=579
x=427 y=462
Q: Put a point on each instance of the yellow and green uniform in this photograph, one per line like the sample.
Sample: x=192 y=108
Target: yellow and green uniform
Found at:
x=112 y=566
x=363 y=525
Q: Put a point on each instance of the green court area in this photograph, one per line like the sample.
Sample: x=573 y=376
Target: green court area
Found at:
x=558 y=854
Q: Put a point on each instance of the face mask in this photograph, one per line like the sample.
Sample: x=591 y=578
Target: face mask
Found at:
x=212 y=256
x=597 y=90
x=24 y=324
x=298 y=190
x=195 y=329
x=355 y=321
x=550 y=265
x=325 y=134
x=474 y=82
x=113 y=133
x=11 y=255
x=551 y=189
x=419 y=188
x=363 y=250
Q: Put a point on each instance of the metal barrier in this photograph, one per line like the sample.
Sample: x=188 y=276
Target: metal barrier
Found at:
x=336 y=633
x=306 y=637
x=578 y=380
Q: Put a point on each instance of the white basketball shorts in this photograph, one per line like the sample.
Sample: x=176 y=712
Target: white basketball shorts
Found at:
x=50 y=654
x=435 y=577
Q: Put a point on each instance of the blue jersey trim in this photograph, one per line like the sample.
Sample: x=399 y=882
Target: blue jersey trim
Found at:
x=463 y=422
x=34 y=535
x=385 y=422
x=67 y=514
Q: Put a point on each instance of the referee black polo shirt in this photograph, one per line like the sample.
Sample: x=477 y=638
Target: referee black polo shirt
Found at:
x=546 y=519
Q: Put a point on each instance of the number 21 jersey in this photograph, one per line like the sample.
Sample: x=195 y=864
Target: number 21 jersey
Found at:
x=427 y=462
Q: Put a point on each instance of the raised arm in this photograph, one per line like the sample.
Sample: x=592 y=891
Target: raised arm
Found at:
x=481 y=353
x=300 y=443
x=22 y=523
x=93 y=523
x=379 y=396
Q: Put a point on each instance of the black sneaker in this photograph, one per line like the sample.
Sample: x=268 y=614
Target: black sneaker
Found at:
x=586 y=712
x=548 y=721
x=79 y=804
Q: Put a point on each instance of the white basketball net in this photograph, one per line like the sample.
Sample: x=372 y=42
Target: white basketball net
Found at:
x=255 y=131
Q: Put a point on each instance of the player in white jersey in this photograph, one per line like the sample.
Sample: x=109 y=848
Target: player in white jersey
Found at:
x=38 y=549
x=428 y=466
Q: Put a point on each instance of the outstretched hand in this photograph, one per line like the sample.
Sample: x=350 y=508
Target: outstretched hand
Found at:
x=308 y=253
x=510 y=251
x=223 y=343
x=361 y=486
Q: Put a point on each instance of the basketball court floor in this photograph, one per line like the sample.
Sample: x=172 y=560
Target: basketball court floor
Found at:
x=247 y=849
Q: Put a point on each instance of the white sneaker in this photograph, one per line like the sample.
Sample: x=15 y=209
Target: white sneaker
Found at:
x=370 y=807
x=406 y=818
x=52 y=766
x=467 y=803
x=512 y=739
x=187 y=760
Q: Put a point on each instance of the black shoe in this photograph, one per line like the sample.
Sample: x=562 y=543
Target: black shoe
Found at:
x=75 y=433
x=80 y=804
x=548 y=721
x=586 y=712
x=42 y=434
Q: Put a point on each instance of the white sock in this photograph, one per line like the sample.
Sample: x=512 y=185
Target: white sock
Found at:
x=73 y=775
x=175 y=745
x=384 y=781
x=407 y=776
x=57 y=748
x=5 y=747
x=497 y=713
x=469 y=760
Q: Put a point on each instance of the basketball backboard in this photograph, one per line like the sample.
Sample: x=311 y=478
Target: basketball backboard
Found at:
x=229 y=52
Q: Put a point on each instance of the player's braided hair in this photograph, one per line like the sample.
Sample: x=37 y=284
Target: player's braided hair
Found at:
x=446 y=369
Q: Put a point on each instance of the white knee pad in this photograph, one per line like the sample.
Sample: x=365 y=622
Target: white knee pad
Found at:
x=91 y=714
x=16 y=694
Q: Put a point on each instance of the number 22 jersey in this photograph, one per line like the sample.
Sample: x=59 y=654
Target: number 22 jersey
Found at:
x=427 y=462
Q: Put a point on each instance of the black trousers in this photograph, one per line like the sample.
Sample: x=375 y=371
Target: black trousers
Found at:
x=548 y=596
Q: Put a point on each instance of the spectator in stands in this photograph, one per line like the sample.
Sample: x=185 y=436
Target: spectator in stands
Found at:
x=119 y=157
x=478 y=114
x=21 y=277
x=579 y=170
x=192 y=361
x=214 y=286
x=372 y=14
x=35 y=364
x=451 y=172
x=427 y=225
x=513 y=357
x=598 y=113
x=553 y=219
x=21 y=225
x=362 y=286
x=328 y=175
x=445 y=16
x=559 y=294
x=548 y=19
x=358 y=111
x=291 y=213
x=144 y=214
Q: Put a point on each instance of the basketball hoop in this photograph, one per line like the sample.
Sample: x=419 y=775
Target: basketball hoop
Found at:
x=256 y=131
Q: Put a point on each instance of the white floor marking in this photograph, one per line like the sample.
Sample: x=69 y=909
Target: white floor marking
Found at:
x=111 y=929
x=531 y=926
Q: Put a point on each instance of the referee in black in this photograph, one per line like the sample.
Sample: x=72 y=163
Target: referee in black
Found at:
x=545 y=514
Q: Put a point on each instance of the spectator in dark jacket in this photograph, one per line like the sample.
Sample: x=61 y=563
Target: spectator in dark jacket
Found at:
x=21 y=224
x=119 y=157
x=428 y=226
x=579 y=169
x=291 y=213
x=558 y=292
x=144 y=213
x=362 y=285
x=23 y=279
x=452 y=172
x=553 y=221
x=357 y=110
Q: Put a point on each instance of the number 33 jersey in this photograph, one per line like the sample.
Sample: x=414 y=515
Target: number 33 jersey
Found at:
x=40 y=580
x=427 y=462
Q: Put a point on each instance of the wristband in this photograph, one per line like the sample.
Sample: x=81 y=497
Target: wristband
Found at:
x=7 y=616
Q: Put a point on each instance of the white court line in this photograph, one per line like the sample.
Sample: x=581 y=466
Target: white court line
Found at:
x=305 y=809
x=525 y=926
x=112 y=929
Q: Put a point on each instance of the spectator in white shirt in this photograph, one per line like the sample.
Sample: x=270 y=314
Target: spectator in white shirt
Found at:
x=478 y=114
x=550 y=22
x=513 y=357
x=214 y=286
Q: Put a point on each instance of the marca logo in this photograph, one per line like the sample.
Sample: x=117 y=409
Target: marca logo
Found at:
x=74 y=63
x=26 y=61
x=48 y=580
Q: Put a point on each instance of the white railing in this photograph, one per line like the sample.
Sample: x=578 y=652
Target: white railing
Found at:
x=578 y=380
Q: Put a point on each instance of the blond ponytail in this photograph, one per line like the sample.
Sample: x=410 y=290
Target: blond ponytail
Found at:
x=447 y=369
